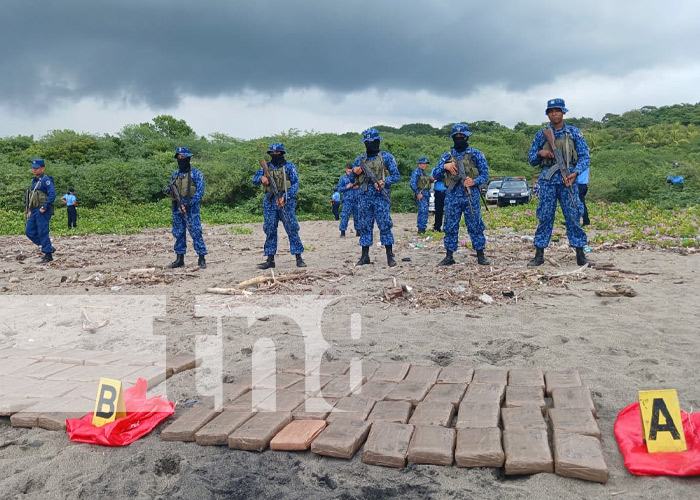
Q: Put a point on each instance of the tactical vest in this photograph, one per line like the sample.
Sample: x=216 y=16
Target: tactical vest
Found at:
x=377 y=167
x=280 y=178
x=184 y=185
x=566 y=145
x=423 y=182
x=37 y=198
x=469 y=169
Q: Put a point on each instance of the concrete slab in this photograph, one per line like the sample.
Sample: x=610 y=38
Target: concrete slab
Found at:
x=432 y=445
x=479 y=448
x=297 y=435
x=387 y=444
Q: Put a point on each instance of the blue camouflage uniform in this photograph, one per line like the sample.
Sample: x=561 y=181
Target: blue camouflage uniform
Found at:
x=457 y=202
x=372 y=204
x=552 y=190
x=37 y=228
x=350 y=205
x=424 y=203
x=192 y=206
x=271 y=212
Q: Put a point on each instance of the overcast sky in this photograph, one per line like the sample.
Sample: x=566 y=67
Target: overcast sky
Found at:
x=249 y=68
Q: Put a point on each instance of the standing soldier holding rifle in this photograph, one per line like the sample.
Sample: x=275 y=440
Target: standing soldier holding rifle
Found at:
x=463 y=169
x=38 y=201
x=280 y=182
x=375 y=172
x=562 y=152
x=187 y=189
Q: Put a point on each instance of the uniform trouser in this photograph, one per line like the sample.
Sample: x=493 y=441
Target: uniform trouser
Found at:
x=272 y=216
x=335 y=206
x=37 y=229
x=582 y=191
x=350 y=206
x=571 y=208
x=72 y=216
x=180 y=228
x=457 y=204
x=373 y=207
x=423 y=207
x=439 y=209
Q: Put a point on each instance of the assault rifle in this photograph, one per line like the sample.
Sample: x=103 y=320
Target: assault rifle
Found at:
x=373 y=179
x=171 y=189
x=560 y=163
x=275 y=192
x=27 y=195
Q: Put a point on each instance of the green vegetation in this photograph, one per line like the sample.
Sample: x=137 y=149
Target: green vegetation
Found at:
x=119 y=179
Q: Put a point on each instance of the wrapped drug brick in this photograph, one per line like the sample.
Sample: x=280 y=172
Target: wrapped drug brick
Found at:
x=256 y=433
x=387 y=444
x=527 y=451
x=574 y=421
x=491 y=375
x=311 y=389
x=376 y=389
x=455 y=375
x=485 y=394
x=353 y=407
x=391 y=372
x=427 y=413
x=279 y=380
x=341 y=439
x=446 y=393
x=478 y=416
x=217 y=431
x=391 y=411
x=282 y=401
x=526 y=377
x=314 y=409
x=479 y=447
x=580 y=457
x=413 y=391
x=561 y=378
x=520 y=396
x=528 y=417
x=187 y=424
x=423 y=373
x=432 y=445
x=341 y=387
x=573 y=397
x=297 y=435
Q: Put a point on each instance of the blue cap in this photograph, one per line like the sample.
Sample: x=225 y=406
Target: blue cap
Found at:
x=371 y=134
x=37 y=163
x=460 y=128
x=276 y=147
x=423 y=159
x=184 y=151
x=557 y=102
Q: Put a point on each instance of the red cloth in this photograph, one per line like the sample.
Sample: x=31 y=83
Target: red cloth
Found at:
x=142 y=416
x=628 y=431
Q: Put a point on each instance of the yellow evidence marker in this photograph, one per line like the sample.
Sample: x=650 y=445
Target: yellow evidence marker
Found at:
x=109 y=404
x=661 y=421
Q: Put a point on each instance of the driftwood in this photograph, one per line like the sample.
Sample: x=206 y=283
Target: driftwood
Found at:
x=580 y=270
x=91 y=326
x=146 y=270
x=228 y=291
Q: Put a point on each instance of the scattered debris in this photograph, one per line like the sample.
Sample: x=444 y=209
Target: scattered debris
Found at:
x=616 y=291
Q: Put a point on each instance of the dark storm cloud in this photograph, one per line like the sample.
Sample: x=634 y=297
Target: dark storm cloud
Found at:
x=154 y=51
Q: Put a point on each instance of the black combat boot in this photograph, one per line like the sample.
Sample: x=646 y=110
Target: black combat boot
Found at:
x=581 y=259
x=300 y=261
x=179 y=261
x=342 y=234
x=270 y=262
x=201 y=262
x=357 y=233
x=448 y=260
x=481 y=258
x=539 y=257
x=390 y=256
x=365 y=257
x=421 y=231
x=48 y=257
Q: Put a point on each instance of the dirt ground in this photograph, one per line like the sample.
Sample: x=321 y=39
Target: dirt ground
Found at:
x=415 y=312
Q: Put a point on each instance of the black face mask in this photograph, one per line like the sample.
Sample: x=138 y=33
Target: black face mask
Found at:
x=278 y=160
x=372 y=148
x=461 y=143
x=184 y=164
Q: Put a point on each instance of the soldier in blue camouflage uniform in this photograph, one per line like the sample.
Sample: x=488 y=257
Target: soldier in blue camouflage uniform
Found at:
x=463 y=198
x=189 y=183
x=571 y=142
x=420 y=184
x=286 y=178
x=349 y=192
x=372 y=198
x=39 y=207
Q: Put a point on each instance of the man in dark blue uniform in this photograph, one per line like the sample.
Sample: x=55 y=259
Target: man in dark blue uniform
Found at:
x=39 y=208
